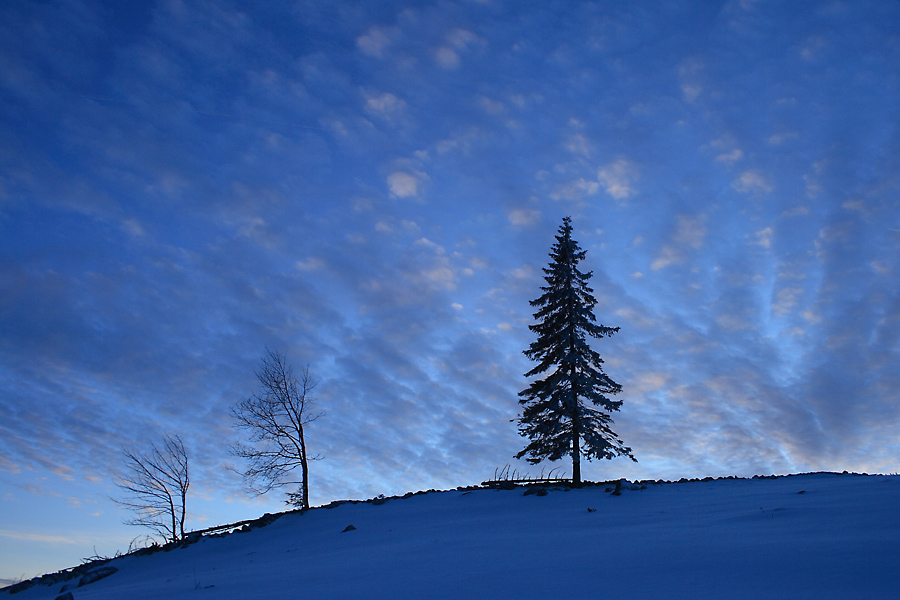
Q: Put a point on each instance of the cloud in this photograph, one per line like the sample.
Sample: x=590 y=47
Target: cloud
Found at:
x=732 y=157
x=691 y=91
x=38 y=537
x=446 y=58
x=404 y=185
x=880 y=267
x=311 y=264
x=575 y=190
x=385 y=105
x=459 y=40
x=787 y=298
x=438 y=270
x=667 y=256
x=776 y=139
x=632 y=316
x=690 y=76
x=813 y=48
x=526 y=272
x=463 y=38
x=729 y=152
x=577 y=143
x=751 y=182
x=618 y=178
x=9 y=466
x=523 y=217
x=764 y=237
x=441 y=275
x=133 y=227
x=426 y=243
x=374 y=42
x=690 y=234
x=490 y=106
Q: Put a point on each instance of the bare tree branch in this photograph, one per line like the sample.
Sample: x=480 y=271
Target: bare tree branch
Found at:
x=155 y=487
x=275 y=419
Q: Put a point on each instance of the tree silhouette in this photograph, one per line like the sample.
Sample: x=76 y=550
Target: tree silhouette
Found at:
x=556 y=416
x=156 y=486
x=276 y=418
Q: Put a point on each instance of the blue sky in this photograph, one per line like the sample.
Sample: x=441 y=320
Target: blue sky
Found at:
x=372 y=188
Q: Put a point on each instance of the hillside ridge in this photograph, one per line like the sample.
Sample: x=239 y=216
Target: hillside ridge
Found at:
x=429 y=517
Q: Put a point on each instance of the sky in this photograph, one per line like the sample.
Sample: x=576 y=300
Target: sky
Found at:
x=372 y=189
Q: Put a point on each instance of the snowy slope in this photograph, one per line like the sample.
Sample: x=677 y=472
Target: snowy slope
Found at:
x=735 y=538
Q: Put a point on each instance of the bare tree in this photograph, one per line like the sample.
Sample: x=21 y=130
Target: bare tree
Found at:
x=275 y=419
x=156 y=486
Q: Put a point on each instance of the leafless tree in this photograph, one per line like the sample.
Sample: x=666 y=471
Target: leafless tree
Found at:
x=275 y=419
x=155 y=487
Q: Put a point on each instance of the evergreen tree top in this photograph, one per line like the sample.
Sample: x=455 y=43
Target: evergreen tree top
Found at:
x=567 y=294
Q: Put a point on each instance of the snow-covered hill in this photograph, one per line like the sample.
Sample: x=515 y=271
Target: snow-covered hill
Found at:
x=803 y=536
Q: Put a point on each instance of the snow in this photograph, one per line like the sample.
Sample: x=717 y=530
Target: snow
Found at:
x=804 y=536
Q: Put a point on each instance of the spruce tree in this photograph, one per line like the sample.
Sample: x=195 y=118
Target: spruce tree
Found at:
x=556 y=416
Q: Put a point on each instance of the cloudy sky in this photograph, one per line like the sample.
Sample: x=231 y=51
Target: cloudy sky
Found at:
x=372 y=188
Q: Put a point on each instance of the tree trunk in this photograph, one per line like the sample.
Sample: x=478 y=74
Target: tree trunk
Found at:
x=183 y=511
x=172 y=512
x=576 y=456
x=576 y=435
x=304 y=467
x=576 y=422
